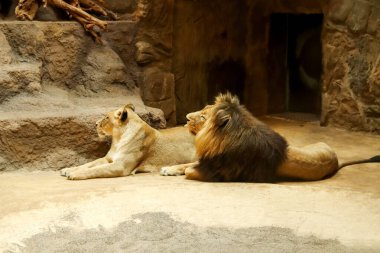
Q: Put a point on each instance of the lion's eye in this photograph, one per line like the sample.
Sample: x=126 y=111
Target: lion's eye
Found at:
x=203 y=118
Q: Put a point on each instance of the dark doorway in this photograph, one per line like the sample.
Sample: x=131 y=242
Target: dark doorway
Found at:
x=225 y=76
x=295 y=63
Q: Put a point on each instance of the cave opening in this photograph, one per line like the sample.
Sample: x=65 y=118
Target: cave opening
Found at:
x=228 y=75
x=295 y=63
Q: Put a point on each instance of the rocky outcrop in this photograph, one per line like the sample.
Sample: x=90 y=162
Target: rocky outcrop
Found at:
x=55 y=82
x=154 y=56
x=351 y=45
x=68 y=58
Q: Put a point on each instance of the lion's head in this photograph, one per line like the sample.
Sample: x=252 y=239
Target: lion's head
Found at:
x=117 y=118
x=196 y=120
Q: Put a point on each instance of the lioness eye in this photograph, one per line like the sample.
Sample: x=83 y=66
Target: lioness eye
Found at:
x=203 y=117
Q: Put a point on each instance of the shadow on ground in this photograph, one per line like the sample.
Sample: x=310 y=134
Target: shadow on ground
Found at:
x=158 y=232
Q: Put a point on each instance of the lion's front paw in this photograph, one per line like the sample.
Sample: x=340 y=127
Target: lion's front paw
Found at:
x=171 y=171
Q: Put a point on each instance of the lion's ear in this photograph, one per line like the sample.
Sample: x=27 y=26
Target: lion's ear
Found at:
x=222 y=118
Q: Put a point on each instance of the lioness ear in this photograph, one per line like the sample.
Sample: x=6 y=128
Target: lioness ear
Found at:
x=222 y=118
x=131 y=106
x=122 y=114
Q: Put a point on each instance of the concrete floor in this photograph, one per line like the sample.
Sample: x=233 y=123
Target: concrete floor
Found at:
x=43 y=212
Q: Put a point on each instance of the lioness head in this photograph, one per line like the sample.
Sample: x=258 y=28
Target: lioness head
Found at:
x=117 y=118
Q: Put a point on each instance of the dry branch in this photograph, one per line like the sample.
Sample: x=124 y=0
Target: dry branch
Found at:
x=26 y=9
x=77 y=9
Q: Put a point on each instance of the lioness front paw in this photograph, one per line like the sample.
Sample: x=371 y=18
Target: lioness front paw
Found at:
x=170 y=171
x=164 y=171
x=76 y=176
x=66 y=171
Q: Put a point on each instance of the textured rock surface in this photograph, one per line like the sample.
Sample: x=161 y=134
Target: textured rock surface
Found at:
x=154 y=55
x=62 y=55
x=351 y=86
x=55 y=82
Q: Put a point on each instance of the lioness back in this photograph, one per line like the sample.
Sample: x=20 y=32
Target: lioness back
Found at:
x=171 y=146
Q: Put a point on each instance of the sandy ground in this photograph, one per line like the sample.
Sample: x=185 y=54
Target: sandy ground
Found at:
x=43 y=212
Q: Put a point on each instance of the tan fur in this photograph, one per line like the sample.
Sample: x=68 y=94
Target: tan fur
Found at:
x=136 y=147
x=312 y=162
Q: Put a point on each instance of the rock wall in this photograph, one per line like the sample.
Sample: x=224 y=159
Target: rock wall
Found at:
x=154 y=56
x=210 y=35
x=351 y=80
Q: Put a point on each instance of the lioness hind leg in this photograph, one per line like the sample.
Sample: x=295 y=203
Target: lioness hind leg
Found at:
x=66 y=171
x=175 y=170
x=104 y=170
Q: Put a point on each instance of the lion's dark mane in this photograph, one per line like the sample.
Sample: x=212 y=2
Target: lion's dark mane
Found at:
x=252 y=152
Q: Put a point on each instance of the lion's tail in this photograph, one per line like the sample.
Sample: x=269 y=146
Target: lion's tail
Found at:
x=375 y=159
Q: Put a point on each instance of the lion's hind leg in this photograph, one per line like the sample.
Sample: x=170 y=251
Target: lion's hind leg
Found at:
x=193 y=174
x=312 y=162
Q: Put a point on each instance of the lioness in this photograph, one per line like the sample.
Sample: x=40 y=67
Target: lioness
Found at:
x=232 y=145
x=136 y=147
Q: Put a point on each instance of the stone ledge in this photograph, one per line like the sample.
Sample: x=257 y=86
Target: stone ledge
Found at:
x=54 y=132
x=52 y=143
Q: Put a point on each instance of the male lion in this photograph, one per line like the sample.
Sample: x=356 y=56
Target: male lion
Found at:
x=136 y=147
x=232 y=145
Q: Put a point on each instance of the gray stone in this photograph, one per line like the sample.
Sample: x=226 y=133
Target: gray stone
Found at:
x=104 y=67
x=168 y=107
x=121 y=6
x=5 y=50
x=358 y=18
x=69 y=56
x=158 y=85
x=339 y=10
x=145 y=53
x=47 y=13
x=15 y=78
x=373 y=25
x=49 y=143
